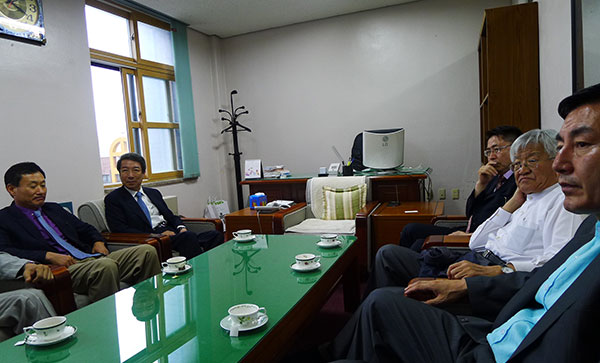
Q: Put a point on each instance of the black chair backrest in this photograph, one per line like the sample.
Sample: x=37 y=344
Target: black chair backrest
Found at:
x=357 y=150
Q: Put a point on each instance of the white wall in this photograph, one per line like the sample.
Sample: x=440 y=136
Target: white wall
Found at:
x=47 y=116
x=555 y=59
x=317 y=84
x=46 y=106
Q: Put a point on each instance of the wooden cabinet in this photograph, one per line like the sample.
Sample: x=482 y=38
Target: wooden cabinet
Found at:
x=389 y=220
x=259 y=223
x=279 y=189
x=383 y=187
x=509 y=81
x=396 y=187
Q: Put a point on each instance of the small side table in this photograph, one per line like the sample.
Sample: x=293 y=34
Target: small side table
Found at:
x=388 y=220
x=259 y=223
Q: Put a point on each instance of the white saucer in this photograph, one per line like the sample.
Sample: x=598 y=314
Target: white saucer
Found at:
x=244 y=239
x=262 y=320
x=329 y=245
x=301 y=268
x=175 y=272
x=33 y=339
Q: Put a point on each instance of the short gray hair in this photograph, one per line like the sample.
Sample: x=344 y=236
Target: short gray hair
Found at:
x=545 y=138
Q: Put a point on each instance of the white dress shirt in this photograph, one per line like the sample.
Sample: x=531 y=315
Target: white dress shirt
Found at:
x=531 y=235
x=155 y=216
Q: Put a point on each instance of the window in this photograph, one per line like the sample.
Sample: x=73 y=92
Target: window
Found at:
x=135 y=96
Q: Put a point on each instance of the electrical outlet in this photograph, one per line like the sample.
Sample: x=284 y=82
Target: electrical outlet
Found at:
x=442 y=193
x=455 y=193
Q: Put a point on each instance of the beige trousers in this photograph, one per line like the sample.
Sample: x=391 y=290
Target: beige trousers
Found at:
x=99 y=277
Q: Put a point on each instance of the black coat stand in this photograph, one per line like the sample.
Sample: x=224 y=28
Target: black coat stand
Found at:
x=234 y=127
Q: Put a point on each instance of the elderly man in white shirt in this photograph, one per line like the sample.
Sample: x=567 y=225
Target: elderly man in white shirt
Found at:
x=521 y=235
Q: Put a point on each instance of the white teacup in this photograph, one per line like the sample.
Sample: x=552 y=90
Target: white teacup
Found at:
x=329 y=238
x=307 y=259
x=47 y=329
x=176 y=263
x=245 y=314
x=242 y=233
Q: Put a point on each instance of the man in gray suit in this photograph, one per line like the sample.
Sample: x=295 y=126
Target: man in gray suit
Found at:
x=22 y=307
x=547 y=315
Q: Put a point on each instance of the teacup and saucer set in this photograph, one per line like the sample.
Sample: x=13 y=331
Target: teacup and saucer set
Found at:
x=329 y=240
x=48 y=331
x=243 y=235
x=244 y=317
x=176 y=265
x=306 y=262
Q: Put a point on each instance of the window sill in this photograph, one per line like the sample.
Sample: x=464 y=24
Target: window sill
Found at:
x=152 y=184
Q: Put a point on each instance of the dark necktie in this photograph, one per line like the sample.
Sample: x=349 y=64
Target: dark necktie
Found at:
x=501 y=182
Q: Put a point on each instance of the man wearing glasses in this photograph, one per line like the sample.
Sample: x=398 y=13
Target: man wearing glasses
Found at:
x=548 y=315
x=522 y=235
x=495 y=185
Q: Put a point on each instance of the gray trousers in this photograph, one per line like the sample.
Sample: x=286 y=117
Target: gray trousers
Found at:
x=389 y=327
x=394 y=266
x=21 y=308
x=100 y=277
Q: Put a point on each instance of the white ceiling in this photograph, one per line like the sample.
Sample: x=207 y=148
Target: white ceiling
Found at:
x=226 y=18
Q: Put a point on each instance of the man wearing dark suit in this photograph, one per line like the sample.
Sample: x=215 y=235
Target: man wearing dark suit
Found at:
x=136 y=209
x=495 y=185
x=44 y=232
x=548 y=315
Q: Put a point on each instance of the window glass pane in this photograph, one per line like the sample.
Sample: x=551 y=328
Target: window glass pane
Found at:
x=165 y=150
x=137 y=141
x=155 y=44
x=107 y=32
x=178 y=150
x=133 y=99
x=157 y=96
x=110 y=119
x=174 y=102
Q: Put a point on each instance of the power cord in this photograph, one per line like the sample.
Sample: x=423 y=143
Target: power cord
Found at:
x=259 y=224
x=428 y=185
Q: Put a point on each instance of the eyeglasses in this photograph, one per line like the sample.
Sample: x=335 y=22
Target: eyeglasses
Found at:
x=530 y=163
x=494 y=150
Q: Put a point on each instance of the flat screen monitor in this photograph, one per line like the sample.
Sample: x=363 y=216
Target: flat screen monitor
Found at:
x=383 y=149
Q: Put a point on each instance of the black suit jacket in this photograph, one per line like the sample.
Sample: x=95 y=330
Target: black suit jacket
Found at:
x=568 y=332
x=123 y=214
x=20 y=237
x=486 y=203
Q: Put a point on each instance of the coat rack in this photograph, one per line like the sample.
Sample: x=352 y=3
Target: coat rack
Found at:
x=233 y=128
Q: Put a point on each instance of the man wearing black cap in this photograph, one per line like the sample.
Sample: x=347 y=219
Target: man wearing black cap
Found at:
x=549 y=314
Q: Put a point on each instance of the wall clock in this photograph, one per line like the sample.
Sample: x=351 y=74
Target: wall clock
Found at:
x=22 y=19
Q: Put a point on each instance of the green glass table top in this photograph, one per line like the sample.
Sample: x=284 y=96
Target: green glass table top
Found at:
x=176 y=318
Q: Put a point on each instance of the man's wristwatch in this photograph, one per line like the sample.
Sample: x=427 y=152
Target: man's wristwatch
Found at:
x=507 y=270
